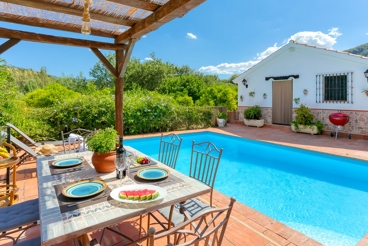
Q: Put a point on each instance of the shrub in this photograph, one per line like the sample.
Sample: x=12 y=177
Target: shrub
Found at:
x=222 y=115
x=304 y=116
x=103 y=141
x=49 y=96
x=253 y=113
x=144 y=112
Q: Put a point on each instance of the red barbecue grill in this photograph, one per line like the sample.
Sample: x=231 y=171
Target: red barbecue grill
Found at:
x=338 y=120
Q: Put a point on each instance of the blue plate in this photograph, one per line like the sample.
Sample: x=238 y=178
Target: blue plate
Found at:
x=69 y=162
x=152 y=173
x=84 y=189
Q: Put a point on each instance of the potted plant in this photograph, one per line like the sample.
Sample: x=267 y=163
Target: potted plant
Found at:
x=305 y=91
x=103 y=144
x=297 y=100
x=252 y=116
x=241 y=98
x=221 y=119
x=304 y=121
x=251 y=94
x=365 y=91
x=264 y=95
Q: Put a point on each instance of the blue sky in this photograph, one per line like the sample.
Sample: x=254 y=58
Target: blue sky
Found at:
x=219 y=37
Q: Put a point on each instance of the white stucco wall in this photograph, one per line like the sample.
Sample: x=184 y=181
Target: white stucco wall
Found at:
x=307 y=62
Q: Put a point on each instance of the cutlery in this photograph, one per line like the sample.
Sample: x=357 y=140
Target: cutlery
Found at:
x=162 y=182
x=70 y=169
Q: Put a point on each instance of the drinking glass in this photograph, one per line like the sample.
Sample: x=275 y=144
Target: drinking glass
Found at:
x=119 y=167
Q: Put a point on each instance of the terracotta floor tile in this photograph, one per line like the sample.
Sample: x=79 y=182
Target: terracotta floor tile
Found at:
x=238 y=234
x=277 y=238
x=311 y=242
x=298 y=239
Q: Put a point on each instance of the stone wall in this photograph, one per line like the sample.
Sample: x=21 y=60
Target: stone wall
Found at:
x=358 y=122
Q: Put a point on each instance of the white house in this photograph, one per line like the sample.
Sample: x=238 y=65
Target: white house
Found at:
x=324 y=80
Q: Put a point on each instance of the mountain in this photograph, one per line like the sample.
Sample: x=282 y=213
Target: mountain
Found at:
x=359 y=50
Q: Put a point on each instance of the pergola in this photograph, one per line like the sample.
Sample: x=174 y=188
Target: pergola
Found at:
x=125 y=21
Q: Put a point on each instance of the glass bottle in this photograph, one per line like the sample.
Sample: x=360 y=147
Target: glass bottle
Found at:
x=120 y=160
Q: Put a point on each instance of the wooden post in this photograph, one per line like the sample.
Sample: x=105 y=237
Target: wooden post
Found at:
x=122 y=60
x=8 y=44
x=119 y=94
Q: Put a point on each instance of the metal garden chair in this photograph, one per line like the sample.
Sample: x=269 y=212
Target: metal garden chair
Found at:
x=75 y=140
x=205 y=228
x=169 y=149
x=205 y=160
x=29 y=141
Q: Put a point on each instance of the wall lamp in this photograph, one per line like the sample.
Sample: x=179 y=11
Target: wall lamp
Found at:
x=366 y=74
x=245 y=83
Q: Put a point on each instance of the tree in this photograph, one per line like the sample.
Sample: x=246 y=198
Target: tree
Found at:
x=9 y=91
x=102 y=77
x=190 y=85
x=49 y=96
x=148 y=75
x=220 y=95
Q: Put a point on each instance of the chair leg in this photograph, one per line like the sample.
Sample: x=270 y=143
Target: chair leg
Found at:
x=140 y=226
x=148 y=225
x=103 y=232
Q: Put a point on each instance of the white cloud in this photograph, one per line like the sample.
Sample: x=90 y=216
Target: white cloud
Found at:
x=231 y=68
x=191 y=35
x=148 y=59
x=144 y=36
x=312 y=38
x=315 y=38
x=334 y=32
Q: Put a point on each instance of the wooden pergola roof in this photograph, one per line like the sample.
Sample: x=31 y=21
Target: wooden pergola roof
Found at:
x=125 y=21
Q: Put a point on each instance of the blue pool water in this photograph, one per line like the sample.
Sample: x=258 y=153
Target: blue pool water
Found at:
x=323 y=196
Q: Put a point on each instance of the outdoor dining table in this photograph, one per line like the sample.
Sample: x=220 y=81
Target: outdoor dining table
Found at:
x=60 y=222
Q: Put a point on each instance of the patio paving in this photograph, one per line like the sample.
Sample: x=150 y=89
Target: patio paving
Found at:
x=247 y=226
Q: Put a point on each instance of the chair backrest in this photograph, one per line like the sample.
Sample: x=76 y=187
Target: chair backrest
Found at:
x=206 y=228
x=204 y=163
x=75 y=140
x=169 y=149
x=27 y=140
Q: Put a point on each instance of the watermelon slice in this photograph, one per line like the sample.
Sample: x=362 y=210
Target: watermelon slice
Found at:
x=142 y=195
x=122 y=195
x=129 y=195
x=135 y=194
x=148 y=194
x=154 y=193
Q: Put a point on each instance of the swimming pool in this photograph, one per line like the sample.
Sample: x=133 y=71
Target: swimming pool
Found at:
x=323 y=196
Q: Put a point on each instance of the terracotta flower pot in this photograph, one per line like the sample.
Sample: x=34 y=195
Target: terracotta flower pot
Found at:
x=104 y=162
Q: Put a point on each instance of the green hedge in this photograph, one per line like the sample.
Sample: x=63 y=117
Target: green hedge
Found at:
x=143 y=113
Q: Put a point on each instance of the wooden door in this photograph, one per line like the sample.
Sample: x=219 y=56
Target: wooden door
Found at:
x=282 y=102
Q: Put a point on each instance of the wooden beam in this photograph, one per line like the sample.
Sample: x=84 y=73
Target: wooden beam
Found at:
x=126 y=58
x=166 y=13
x=119 y=95
x=71 y=9
x=39 y=22
x=8 y=44
x=42 y=38
x=104 y=61
x=138 y=4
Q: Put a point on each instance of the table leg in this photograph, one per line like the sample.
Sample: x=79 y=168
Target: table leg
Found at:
x=83 y=240
x=7 y=175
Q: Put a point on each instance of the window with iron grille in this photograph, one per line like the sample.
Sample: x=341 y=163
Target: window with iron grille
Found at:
x=334 y=88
